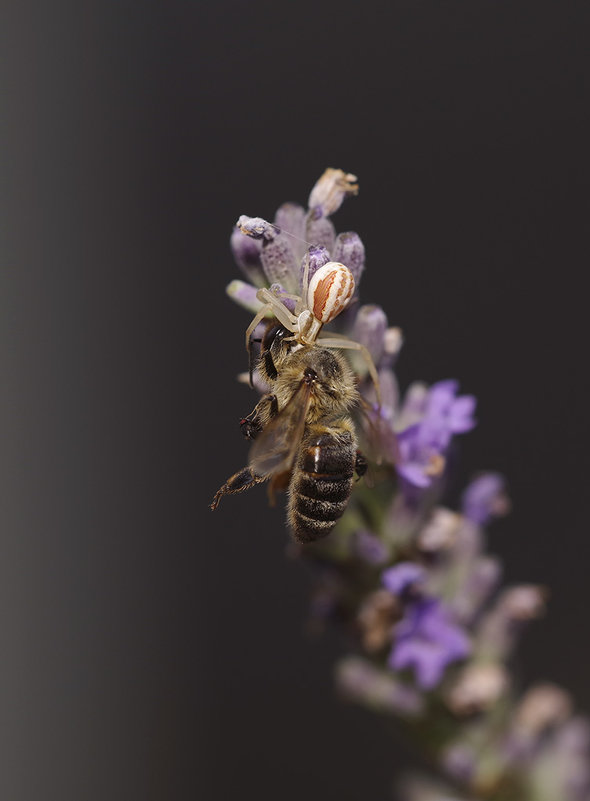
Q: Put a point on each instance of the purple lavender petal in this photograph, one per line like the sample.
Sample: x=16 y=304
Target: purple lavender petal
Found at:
x=461 y=415
x=427 y=640
x=402 y=577
x=349 y=250
x=246 y=251
x=484 y=498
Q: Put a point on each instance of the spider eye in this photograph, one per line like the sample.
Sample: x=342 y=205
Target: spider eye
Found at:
x=329 y=291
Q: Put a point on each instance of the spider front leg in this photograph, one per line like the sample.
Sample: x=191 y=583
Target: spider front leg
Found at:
x=272 y=306
x=337 y=342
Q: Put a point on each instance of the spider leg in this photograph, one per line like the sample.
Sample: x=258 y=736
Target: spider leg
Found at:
x=343 y=342
x=278 y=308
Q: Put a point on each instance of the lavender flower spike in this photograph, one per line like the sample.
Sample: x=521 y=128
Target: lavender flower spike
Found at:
x=404 y=575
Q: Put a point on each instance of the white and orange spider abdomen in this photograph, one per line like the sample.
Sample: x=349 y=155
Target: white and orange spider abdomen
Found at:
x=330 y=291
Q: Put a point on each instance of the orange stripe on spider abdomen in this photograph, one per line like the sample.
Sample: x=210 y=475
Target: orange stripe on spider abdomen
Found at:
x=331 y=294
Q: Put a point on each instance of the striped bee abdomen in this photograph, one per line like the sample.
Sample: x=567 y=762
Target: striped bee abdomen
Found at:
x=321 y=483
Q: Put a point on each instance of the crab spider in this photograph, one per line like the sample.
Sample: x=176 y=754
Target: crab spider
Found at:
x=322 y=299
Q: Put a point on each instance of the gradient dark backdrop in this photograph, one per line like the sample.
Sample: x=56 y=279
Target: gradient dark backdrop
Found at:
x=150 y=649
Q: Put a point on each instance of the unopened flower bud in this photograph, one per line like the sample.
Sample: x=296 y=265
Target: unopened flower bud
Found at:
x=369 y=547
x=257 y=228
x=280 y=292
x=280 y=265
x=369 y=330
x=331 y=189
x=477 y=688
x=349 y=250
x=290 y=218
x=359 y=681
x=315 y=257
x=244 y=295
x=542 y=706
x=246 y=251
x=459 y=761
x=320 y=231
x=440 y=532
x=525 y=602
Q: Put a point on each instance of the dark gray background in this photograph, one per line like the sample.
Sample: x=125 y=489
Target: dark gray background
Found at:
x=150 y=649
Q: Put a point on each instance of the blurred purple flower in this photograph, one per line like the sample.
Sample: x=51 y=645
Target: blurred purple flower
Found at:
x=484 y=498
x=402 y=577
x=427 y=640
x=369 y=547
x=422 y=446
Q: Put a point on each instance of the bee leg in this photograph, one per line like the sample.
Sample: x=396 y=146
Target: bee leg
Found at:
x=360 y=464
x=243 y=480
x=266 y=408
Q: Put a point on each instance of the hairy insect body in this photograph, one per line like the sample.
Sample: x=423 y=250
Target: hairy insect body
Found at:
x=322 y=480
x=303 y=436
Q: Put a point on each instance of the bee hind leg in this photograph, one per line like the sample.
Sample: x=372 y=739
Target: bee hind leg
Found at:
x=243 y=480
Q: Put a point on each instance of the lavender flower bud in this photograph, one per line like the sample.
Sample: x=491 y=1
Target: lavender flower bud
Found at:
x=279 y=263
x=543 y=706
x=499 y=629
x=280 y=292
x=459 y=761
x=359 y=681
x=392 y=344
x=246 y=252
x=244 y=295
x=477 y=688
x=369 y=330
x=349 y=250
x=320 y=231
x=290 y=218
x=369 y=548
x=440 y=532
x=257 y=228
x=331 y=189
x=482 y=578
x=315 y=258
x=524 y=602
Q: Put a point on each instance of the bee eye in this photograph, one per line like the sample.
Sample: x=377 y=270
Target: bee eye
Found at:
x=329 y=291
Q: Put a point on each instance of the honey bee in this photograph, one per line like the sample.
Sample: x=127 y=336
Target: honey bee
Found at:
x=304 y=438
x=323 y=298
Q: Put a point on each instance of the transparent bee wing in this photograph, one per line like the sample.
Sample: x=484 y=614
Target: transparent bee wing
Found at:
x=377 y=436
x=275 y=448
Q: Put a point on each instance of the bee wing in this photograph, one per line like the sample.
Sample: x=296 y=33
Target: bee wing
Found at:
x=275 y=448
x=378 y=437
